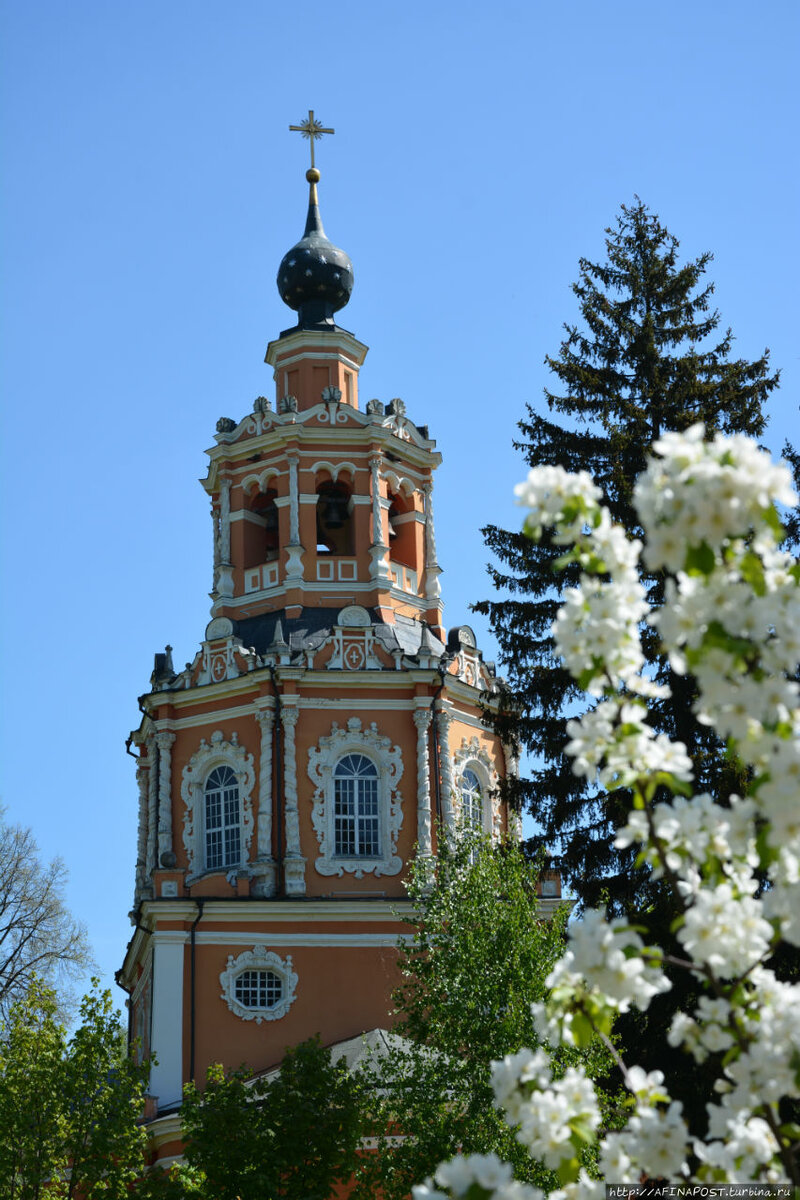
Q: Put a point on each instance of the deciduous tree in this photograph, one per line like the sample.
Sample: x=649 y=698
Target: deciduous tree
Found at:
x=38 y=936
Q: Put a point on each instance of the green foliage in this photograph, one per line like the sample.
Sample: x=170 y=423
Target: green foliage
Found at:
x=68 y=1106
x=291 y=1136
x=478 y=955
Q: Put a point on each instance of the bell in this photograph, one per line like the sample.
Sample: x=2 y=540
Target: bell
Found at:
x=271 y=519
x=334 y=512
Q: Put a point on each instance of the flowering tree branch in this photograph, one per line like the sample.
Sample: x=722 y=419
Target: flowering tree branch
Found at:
x=731 y=618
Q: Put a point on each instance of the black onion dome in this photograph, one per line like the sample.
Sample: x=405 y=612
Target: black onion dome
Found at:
x=315 y=277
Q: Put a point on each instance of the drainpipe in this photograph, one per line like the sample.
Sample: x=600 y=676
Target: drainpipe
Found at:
x=278 y=755
x=199 y=902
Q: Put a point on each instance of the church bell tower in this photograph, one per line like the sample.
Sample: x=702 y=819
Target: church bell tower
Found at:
x=326 y=728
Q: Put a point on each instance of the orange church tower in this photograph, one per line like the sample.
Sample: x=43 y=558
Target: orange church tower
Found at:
x=325 y=728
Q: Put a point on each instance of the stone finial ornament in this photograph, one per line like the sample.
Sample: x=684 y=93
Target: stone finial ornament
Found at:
x=226 y=425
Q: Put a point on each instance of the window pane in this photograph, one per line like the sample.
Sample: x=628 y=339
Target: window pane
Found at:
x=356 y=823
x=222 y=820
x=258 y=989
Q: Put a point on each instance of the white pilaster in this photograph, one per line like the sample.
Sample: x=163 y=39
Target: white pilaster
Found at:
x=444 y=716
x=164 y=741
x=294 y=863
x=294 y=551
x=143 y=781
x=166 y=1041
x=422 y=720
x=432 y=569
x=264 y=866
x=379 y=568
x=152 y=812
x=225 y=568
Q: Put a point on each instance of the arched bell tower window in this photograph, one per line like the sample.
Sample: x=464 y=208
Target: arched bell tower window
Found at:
x=223 y=820
x=261 y=530
x=334 y=519
x=402 y=530
x=356 y=814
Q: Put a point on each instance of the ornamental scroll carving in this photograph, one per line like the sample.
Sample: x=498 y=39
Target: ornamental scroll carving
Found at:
x=322 y=760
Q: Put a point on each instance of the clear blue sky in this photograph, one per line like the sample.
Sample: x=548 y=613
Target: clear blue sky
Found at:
x=151 y=188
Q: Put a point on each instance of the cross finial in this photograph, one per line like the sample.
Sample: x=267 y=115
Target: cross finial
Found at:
x=311 y=129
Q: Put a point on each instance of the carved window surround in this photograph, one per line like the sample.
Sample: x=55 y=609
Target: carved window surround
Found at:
x=472 y=756
x=322 y=760
x=259 y=959
x=216 y=754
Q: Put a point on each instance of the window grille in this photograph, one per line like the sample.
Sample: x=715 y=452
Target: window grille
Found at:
x=471 y=801
x=355 y=808
x=258 y=989
x=223 y=825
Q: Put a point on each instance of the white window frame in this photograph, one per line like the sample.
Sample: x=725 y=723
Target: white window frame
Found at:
x=259 y=959
x=216 y=753
x=472 y=756
x=322 y=761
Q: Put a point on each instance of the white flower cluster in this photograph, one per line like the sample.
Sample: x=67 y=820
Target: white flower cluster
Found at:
x=605 y=965
x=698 y=492
x=481 y=1176
x=550 y=1115
x=732 y=617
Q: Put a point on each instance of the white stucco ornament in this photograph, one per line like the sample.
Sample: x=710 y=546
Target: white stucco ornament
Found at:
x=322 y=760
x=259 y=960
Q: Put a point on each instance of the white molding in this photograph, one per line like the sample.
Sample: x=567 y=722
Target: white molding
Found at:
x=311 y=910
x=322 y=760
x=259 y=959
x=342 y=941
x=217 y=753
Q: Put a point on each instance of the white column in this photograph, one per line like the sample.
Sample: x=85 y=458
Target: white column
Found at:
x=215 y=527
x=264 y=866
x=443 y=718
x=432 y=569
x=225 y=568
x=422 y=720
x=143 y=781
x=164 y=741
x=379 y=568
x=152 y=811
x=294 y=863
x=166 y=1042
x=294 y=551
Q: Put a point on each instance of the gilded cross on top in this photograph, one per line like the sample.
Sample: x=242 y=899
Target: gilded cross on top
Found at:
x=311 y=129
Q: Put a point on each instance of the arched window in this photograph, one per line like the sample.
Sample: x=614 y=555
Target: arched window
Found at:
x=223 y=824
x=334 y=519
x=471 y=801
x=356 y=816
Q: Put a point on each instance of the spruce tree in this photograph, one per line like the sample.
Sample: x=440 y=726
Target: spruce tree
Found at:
x=647 y=357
